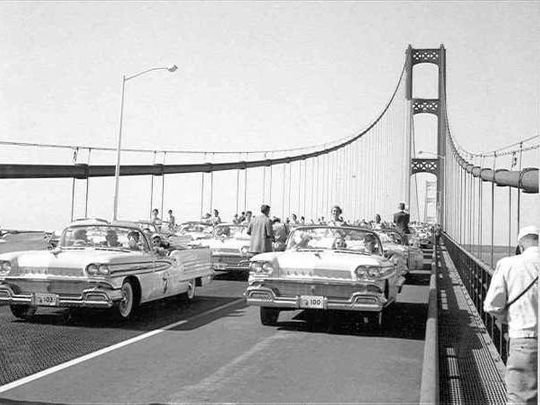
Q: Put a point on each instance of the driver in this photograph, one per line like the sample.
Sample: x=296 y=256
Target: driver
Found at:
x=133 y=240
x=111 y=239
x=340 y=243
x=370 y=243
x=80 y=238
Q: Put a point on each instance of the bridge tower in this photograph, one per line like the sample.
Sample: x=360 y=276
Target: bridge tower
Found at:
x=435 y=106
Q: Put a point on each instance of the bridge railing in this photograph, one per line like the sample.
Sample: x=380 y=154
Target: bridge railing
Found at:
x=476 y=276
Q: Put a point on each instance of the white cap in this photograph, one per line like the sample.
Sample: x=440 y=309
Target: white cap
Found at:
x=528 y=230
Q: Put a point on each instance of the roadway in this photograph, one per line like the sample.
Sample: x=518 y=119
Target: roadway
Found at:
x=214 y=350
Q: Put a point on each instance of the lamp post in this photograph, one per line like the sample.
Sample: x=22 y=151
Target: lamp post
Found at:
x=125 y=78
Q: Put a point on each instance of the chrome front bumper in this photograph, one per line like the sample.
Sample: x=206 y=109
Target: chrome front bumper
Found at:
x=90 y=298
x=228 y=265
x=265 y=297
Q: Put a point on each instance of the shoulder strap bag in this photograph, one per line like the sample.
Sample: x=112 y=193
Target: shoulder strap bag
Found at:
x=521 y=294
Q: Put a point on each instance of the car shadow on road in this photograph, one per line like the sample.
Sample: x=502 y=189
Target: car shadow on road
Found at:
x=149 y=316
x=402 y=321
x=418 y=277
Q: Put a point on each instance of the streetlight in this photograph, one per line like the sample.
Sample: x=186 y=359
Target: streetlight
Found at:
x=125 y=78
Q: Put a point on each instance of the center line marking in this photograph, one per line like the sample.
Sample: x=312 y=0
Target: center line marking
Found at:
x=78 y=360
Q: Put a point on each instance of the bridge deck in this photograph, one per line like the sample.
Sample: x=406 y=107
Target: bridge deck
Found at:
x=471 y=372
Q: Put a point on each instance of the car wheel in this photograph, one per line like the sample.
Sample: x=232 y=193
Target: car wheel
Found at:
x=23 y=311
x=128 y=304
x=190 y=293
x=269 y=316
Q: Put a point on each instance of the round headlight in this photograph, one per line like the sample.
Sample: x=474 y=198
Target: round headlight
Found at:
x=360 y=272
x=92 y=270
x=5 y=267
x=103 y=270
x=373 y=272
x=256 y=267
x=267 y=267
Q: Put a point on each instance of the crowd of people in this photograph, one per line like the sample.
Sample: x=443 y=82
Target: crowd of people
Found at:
x=282 y=227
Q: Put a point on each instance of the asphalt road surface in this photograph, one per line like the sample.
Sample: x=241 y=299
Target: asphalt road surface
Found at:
x=214 y=350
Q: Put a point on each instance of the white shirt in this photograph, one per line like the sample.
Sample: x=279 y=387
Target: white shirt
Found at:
x=512 y=276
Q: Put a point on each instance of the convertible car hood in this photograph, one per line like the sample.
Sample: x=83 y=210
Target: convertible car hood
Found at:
x=66 y=262
x=324 y=264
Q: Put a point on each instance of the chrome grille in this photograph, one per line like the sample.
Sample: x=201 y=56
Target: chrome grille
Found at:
x=291 y=289
x=47 y=271
x=232 y=260
x=320 y=273
x=64 y=288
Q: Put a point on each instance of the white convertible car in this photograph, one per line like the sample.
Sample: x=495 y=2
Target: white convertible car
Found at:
x=325 y=268
x=230 y=248
x=98 y=264
x=392 y=242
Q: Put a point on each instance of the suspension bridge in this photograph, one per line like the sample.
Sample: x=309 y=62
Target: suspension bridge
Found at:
x=449 y=350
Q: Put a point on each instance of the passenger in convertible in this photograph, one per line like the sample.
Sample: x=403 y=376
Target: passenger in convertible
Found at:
x=133 y=240
x=339 y=243
x=161 y=247
x=370 y=244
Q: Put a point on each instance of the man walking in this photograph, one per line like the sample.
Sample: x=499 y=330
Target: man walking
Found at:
x=513 y=298
x=261 y=232
x=401 y=219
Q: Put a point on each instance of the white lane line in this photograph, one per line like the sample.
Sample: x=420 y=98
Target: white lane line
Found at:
x=43 y=373
x=231 y=374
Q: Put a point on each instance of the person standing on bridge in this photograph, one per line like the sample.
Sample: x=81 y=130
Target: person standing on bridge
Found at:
x=513 y=298
x=261 y=232
x=335 y=216
x=401 y=219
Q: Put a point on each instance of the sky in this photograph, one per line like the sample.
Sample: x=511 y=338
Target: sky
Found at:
x=252 y=76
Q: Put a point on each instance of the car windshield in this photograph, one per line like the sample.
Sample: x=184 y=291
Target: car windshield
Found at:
x=103 y=236
x=196 y=227
x=148 y=228
x=335 y=238
x=231 y=231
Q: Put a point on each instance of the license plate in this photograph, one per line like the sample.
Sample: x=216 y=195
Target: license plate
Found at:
x=49 y=300
x=312 y=301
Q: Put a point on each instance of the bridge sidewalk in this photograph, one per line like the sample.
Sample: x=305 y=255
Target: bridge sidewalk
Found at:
x=470 y=369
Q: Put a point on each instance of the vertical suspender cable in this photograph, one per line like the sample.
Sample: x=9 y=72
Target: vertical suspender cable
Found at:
x=152 y=186
x=480 y=212
x=289 y=201
x=163 y=186
x=202 y=190
x=313 y=215
x=264 y=181
x=75 y=153
x=519 y=188
x=237 y=188
x=87 y=186
x=283 y=193
x=270 y=190
x=493 y=210
x=304 y=213
x=299 y=186
x=509 y=221
x=212 y=188
x=245 y=186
